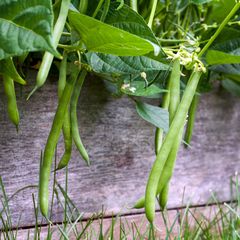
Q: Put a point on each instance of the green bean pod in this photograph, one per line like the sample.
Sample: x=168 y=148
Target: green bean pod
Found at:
x=174 y=88
x=159 y=131
x=177 y=123
x=164 y=197
x=13 y=114
x=67 y=135
x=191 y=120
x=168 y=168
x=48 y=57
x=140 y=203
x=73 y=113
x=66 y=129
x=52 y=141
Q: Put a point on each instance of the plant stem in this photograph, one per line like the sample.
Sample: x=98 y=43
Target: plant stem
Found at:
x=220 y=28
x=97 y=8
x=134 y=5
x=105 y=10
x=151 y=17
x=83 y=5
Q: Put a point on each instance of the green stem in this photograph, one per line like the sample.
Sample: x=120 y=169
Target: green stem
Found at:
x=134 y=5
x=151 y=17
x=97 y=8
x=105 y=10
x=220 y=28
x=83 y=5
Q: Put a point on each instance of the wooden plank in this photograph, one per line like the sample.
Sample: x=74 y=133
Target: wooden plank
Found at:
x=120 y=145
x=194 y=219
x=128 y=223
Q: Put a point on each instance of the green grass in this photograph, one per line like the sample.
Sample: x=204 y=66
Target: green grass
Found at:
x=215 y=221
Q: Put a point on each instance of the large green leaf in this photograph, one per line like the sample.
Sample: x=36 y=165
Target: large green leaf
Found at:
x=25 y=26
x=229 y=46
x=214 y=57
x=226 y=53
x=233 y=69
x=220 y=9
x=119 y=65
x=232 y=86
x=104 y=38
x=157 y=116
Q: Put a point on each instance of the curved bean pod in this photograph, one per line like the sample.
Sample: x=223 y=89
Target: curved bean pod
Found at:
x=191 y=120
x=11 y=100
x=66 y=129
x=164 y=197
x=73 y=113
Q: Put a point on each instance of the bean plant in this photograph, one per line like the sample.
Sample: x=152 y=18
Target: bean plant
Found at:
x=166 y=49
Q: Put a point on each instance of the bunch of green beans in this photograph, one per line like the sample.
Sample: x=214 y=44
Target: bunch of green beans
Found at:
x=65 y=119
x=52 y=140
x=161 y=172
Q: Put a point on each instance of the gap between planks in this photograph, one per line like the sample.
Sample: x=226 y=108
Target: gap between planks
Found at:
x=174 y=218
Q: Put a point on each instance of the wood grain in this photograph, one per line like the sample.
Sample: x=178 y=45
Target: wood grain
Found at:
x=132 y=226
x=120 y=145
x=195 y=220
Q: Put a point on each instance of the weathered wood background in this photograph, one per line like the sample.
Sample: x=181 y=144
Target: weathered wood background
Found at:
x=120 y=145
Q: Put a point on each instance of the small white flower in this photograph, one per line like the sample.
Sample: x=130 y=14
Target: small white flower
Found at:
x=143 y=75
x=132 y=89
x=125 y=85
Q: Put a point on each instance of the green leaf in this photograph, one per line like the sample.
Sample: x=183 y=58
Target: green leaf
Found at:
x=138 y=88
x=214 y=57
x=220 y=9
x=119 y=65
x=7 y=68
x=103 y=38
x=229 y=46
x=233 y=69
x=130 y=21
x=233 y=77
x=157 y=116
x=227 y=52
x=232 y=86
x=25 y=26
